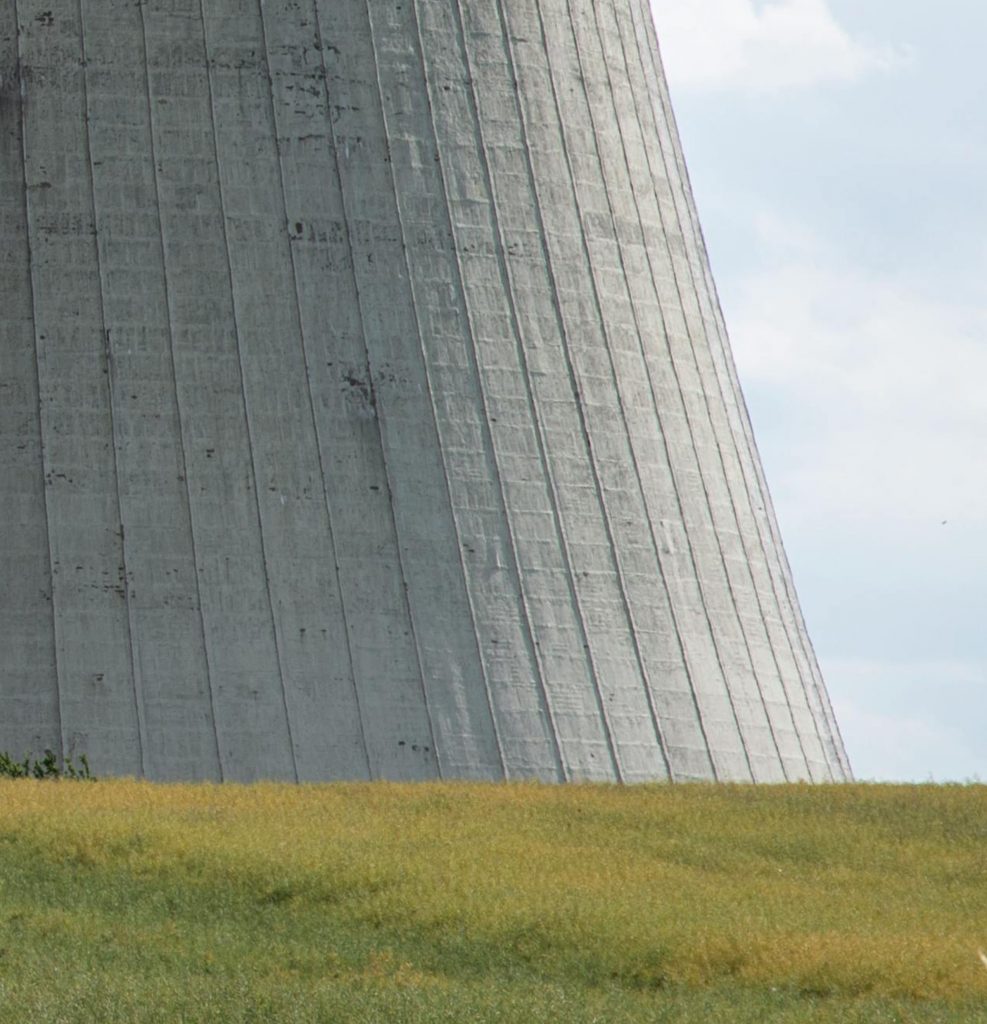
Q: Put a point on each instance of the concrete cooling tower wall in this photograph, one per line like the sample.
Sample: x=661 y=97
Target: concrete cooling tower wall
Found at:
x=366 y=410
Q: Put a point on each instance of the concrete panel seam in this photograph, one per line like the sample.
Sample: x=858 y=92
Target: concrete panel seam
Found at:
x=481 y=661
x=531 y=401
x=487 y=434
x=677 y=489
x=666 y=112
x=645 y=675
x=662 y=97
x=658 y=414
x=637 y=321
x=573 y=383
x=108 y=348
x=46 y=465
x=737 y=447
x=243 y=393
x=530 y=632
x=378 y=418
x=640 y=333
x=607 y=517
x=178 y=402
x=311 y=404
x=529 y=392
x=719 y=449
x=702 y=476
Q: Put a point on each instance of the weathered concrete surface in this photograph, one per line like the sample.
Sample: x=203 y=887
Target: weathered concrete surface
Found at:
x=366 y=409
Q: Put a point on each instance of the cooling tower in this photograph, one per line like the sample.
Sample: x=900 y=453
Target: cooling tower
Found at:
x=366 y=410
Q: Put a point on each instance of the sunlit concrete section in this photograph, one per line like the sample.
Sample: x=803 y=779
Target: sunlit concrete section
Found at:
x=366 y=409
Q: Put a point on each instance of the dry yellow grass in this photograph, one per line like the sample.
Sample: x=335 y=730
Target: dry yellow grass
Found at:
x=829 y=896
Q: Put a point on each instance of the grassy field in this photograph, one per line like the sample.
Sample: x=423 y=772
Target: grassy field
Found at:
x=121 y=901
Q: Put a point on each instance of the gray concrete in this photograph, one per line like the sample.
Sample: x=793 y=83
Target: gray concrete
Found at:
x=366 y=408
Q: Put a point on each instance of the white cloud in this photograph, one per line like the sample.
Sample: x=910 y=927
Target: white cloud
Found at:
x=879 y=386
x=761 y=46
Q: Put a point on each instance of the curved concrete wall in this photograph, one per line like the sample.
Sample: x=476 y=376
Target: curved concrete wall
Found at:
x=366 y=408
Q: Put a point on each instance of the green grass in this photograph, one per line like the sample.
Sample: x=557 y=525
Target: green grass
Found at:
x=122 y=901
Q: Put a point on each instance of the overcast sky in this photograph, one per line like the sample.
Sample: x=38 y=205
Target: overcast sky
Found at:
x=838 y=151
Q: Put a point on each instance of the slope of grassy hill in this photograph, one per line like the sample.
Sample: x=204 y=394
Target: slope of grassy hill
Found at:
x=123 y=901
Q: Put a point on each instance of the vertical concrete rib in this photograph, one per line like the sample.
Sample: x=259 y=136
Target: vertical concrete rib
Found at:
x=535 y=148
x=480 y=238
x=631 y=516
x=632 y=420
x=797 y=670
x=425 y=521
x=809 y=668
x=770 y=671
x=372 y=386
x=741 y=447
x=243 y=392
x=126 y=577
x=621 y=169
x=88 y=579
x=417 y=314
x=31 y=702
x=514 y=416
x=580 y=719
x=244 y=668
x=456 y=396
x=299 y=561
x=373 y=600
x=759 y=651
x=555 y=299
x=181 y=453
x=700 y=643
x=732 y=648
x=529 y=760
x=329 y=528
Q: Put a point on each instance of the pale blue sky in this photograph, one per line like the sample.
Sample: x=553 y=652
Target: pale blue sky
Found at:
x=838 y=151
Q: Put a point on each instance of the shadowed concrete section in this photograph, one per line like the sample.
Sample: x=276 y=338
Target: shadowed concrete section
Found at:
x=366 y=408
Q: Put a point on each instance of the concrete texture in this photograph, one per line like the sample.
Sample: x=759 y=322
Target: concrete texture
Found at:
x=366 y=409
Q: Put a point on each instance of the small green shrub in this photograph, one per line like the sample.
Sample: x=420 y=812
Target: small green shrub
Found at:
x=47 y=767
